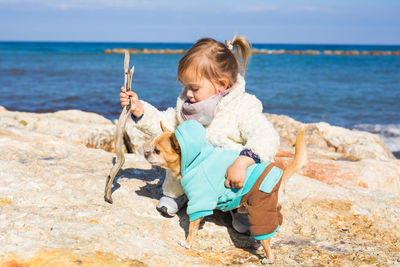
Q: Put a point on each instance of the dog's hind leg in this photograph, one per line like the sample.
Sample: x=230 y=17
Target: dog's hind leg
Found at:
x=268 y=252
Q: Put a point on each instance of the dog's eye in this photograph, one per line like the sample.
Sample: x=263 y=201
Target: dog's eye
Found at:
x=157 y=151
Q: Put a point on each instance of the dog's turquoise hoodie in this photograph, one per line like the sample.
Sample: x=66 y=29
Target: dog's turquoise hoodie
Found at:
x=203 y=173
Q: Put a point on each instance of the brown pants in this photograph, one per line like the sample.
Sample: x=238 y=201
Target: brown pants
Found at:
x=264 y=214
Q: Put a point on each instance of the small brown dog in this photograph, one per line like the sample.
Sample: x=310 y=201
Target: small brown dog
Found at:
x=190 y=158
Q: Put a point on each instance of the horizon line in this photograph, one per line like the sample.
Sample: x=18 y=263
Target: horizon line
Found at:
x=168 y=42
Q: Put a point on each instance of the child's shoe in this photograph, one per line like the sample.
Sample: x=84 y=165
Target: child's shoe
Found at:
x=170 y=206
x=240 y=222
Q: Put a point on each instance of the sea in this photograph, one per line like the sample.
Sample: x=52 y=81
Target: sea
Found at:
x=355 y=92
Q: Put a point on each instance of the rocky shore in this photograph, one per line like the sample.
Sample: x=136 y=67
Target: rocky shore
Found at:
x=342 y=209
x=261 y=52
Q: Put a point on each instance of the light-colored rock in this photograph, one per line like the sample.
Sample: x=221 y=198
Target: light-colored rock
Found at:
x=52 y=213
x=88 y=128
x=339 y=156
x=368 y=174
x=352 y=144
x=358 y=144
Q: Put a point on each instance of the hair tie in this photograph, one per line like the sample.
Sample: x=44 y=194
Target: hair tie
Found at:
x=228 y=44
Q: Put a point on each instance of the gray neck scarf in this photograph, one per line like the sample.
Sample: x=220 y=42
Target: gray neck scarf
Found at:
x=203 y=111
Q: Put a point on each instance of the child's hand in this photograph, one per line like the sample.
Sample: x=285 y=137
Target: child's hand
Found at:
x=136 y=107
x=236 y=173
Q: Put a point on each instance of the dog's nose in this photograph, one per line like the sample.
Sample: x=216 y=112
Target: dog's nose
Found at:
x=147 y=153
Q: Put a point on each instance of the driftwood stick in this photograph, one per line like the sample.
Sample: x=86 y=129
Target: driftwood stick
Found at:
x=119 y=133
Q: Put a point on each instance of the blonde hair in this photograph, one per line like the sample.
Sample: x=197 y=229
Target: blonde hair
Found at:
x=213 y=60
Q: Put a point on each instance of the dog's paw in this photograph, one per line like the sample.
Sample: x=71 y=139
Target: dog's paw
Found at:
x=268 y=261
x=184 y=244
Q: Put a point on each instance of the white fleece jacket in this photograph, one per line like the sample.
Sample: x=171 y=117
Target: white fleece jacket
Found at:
x=238 y=124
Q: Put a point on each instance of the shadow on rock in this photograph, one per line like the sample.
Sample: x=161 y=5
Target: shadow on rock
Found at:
x=243 y=241
x=152 y=189
x=220 y=218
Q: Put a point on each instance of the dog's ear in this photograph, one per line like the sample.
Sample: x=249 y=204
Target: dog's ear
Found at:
x=163 y=128
x=175 y=144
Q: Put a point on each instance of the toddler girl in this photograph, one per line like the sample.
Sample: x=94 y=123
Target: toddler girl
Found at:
x=214 y=95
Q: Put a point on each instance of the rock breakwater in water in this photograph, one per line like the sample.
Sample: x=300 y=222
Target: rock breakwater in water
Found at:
x=261 y=52
x=343 y=208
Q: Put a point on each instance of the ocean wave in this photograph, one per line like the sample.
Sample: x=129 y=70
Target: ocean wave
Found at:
x=390 y=133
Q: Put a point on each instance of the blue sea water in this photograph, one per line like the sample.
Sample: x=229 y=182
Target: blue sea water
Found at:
x=361 y=92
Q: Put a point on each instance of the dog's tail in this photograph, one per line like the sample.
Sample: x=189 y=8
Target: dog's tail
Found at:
x=300 y=157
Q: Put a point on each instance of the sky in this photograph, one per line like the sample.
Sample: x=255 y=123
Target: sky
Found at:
x=267 y=21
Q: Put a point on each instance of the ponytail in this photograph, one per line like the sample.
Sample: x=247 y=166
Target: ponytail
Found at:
x=243 y=51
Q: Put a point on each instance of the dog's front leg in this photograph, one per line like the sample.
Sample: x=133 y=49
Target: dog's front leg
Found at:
x=267 y=247
x=193 y=228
